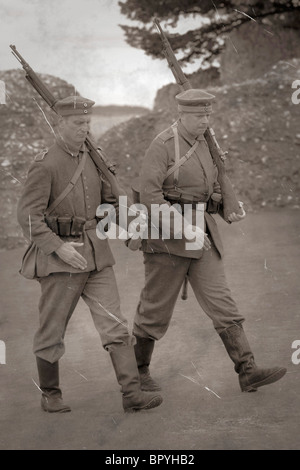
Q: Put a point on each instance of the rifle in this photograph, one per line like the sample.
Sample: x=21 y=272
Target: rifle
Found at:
x=98 y=155
x=230 y=202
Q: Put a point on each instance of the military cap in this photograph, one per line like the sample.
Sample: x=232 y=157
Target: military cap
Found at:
x=74 y=105
x=195 y=101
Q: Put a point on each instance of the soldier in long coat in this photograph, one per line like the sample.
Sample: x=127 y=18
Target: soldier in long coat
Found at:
x=169 y=259
x=68 y=259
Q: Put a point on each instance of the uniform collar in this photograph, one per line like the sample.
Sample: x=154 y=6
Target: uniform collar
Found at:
x=69 y=148
x=187 y=136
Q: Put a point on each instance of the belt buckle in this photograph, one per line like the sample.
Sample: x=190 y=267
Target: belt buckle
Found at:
x=89 y=224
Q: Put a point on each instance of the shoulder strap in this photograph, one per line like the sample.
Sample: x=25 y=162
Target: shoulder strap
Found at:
x=177 y=155
x=179 y=161
x=70 y=186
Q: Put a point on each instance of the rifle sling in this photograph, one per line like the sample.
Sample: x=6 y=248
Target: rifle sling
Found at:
x=70 y=186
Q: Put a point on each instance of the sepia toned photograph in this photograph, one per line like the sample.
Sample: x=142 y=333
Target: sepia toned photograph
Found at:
x=149 y=236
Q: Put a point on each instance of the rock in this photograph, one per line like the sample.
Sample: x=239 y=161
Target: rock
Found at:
x=252 y=123
x=24 y=133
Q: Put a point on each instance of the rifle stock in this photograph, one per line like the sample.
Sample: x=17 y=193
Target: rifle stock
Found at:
x=230 y=202
x=97 y=154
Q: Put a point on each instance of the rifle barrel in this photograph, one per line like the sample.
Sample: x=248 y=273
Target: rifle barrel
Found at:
x=179 y=76
x=98 y=156
x=18 y=55
x=230 y=203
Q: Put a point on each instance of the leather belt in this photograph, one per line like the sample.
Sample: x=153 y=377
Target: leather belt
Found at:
x=90 y=224
x=193 y=204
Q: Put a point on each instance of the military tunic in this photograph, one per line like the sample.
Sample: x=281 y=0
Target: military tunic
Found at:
x=167 y=261
x=47 y=177
x=197 y=179
x=61 y=284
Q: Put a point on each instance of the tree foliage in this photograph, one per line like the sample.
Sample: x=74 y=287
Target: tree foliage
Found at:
x=208 y=40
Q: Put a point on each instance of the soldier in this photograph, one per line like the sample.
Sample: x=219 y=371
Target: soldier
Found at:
x=193 y=182
x=70 y=261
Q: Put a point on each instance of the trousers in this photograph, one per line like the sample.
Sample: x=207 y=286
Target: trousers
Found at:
x=60 y=293
x=164 y=275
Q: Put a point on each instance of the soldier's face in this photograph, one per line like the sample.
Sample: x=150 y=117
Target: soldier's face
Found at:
x=195 y=123
x=75 y=128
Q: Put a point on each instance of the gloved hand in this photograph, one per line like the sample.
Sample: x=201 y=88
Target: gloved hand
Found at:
x=233 y=217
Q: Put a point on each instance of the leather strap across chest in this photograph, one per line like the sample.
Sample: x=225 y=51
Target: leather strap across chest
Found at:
x=70 y=186
x=179 y=161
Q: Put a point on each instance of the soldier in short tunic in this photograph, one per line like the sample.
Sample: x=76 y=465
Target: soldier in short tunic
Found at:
x=169 y=261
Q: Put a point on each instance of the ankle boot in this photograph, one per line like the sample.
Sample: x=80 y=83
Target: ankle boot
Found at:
x=124 y=363
x=143 y=352
x=49 y=384
x=250 y=376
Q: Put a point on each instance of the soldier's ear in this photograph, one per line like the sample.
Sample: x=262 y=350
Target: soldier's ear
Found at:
x=60 y=122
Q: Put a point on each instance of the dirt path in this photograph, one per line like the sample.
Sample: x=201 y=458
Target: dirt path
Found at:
x=262 y=265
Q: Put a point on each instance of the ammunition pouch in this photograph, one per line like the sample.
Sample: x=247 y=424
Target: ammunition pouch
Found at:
x=51 y=221
x=66 y=226
x=174 y=196
x=213 y=207
x=77 y=227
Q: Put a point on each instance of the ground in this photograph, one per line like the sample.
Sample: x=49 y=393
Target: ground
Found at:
x=203 y=406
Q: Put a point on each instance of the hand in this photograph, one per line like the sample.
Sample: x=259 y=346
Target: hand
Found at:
x=217 y=197
x=193 y=232
x=69 y=255
x=140 y=224
x=233 y=217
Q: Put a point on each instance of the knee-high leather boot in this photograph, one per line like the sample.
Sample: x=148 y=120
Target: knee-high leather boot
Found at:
x=124 y=363
x=143 y=352
x=49 y=384
x=250 y=376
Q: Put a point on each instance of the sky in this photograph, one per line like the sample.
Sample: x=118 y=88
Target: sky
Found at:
x=81 y=42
